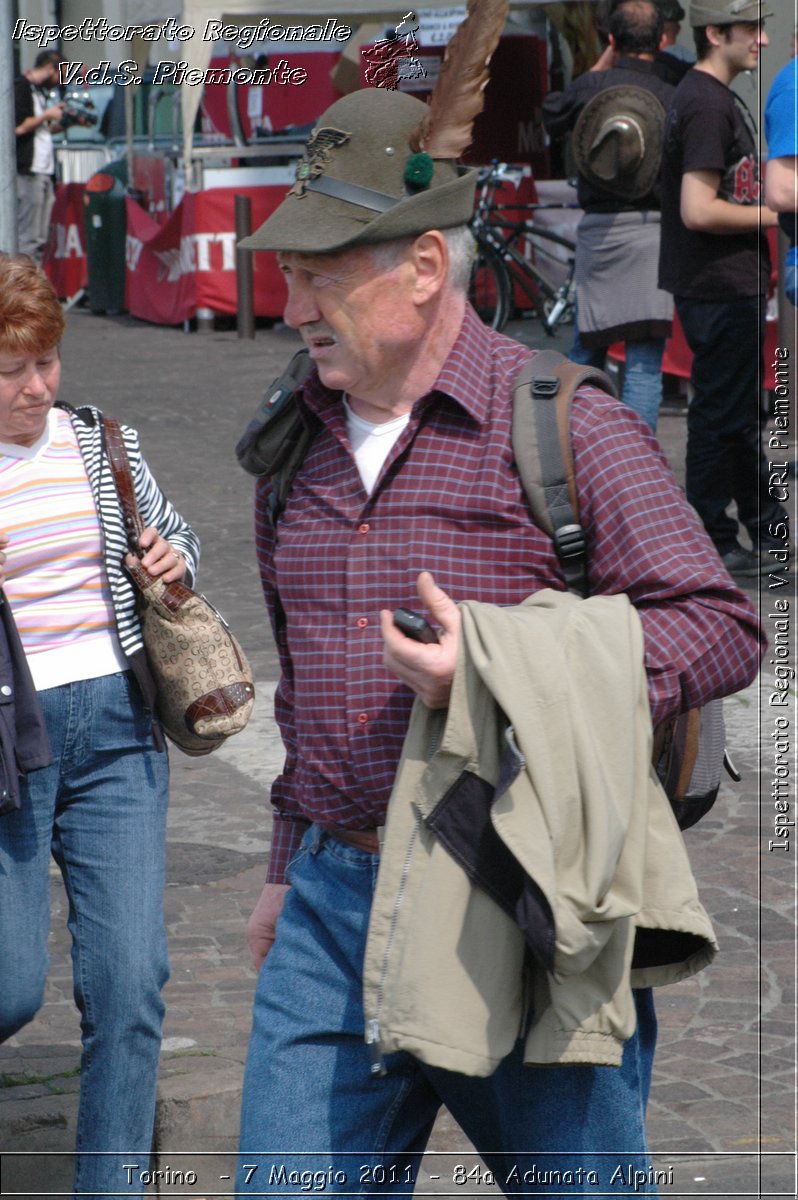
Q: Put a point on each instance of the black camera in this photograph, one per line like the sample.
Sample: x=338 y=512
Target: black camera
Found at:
x=78 y=109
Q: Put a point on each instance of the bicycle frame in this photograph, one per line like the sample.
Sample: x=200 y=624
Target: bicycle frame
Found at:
x=491 y=228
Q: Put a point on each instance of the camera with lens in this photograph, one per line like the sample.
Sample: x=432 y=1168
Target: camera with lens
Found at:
x=78 y=109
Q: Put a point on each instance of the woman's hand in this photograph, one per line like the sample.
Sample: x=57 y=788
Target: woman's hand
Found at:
x=160 y=559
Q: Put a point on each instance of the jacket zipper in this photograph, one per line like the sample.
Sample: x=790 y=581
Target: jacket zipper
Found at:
x=373 y=1024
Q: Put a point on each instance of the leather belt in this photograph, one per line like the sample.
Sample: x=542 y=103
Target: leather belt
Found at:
x=360 y=839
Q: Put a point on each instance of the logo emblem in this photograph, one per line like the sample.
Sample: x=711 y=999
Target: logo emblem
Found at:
x=316 y=158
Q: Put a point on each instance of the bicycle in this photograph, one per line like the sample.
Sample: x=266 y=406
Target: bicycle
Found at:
x=499 y=264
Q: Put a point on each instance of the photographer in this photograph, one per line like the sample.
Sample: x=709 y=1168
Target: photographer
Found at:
x=35 y=120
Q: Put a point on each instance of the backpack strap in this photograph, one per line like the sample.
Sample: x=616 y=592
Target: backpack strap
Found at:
x=544 y=456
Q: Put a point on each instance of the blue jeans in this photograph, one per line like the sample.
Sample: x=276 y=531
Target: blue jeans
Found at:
x=308 y=1086
x=100 y=809
x=642 y=375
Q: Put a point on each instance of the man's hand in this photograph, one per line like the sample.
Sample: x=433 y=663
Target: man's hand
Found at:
x=427 y=669
x=261 y=925
x=54 y=113
x=607 y=60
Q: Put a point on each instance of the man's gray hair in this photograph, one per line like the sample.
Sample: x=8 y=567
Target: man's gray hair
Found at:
x=459 y=241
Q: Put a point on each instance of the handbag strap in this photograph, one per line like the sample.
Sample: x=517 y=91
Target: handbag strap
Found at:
x=123 y=478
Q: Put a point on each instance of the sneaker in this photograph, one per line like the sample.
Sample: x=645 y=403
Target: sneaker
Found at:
x=745 y=563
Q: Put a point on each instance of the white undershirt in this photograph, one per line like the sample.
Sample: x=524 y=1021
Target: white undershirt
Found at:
x=43 y=159
x=372 y=443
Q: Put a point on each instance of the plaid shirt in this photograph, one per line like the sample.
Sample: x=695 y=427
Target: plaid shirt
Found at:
x=449 y=500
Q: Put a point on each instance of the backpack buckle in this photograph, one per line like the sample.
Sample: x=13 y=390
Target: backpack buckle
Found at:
x=570 y=542
x=545 y=385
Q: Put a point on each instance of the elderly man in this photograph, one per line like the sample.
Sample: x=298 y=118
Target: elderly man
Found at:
x=408 y=496
x=616 y=112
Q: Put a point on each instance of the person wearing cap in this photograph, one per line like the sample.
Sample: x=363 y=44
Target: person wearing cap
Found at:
x=616 y=112
x=408 y=496
x=36 y=118
x=715 y=260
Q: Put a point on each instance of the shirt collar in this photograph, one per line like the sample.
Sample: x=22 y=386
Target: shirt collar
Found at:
x=465 y=376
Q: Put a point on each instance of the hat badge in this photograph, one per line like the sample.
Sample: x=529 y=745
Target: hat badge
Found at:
x=316 y=157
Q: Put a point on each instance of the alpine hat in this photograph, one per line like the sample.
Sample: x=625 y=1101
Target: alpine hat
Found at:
x=617 y=141
x=359 y=182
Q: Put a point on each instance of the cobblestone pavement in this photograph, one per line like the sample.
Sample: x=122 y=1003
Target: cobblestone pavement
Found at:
x=722 y=1110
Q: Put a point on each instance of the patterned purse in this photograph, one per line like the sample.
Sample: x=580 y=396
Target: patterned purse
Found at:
x=204 y=690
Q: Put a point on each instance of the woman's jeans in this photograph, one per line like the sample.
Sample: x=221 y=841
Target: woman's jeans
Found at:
x=642 y=372
x=100 y=809
x=312 y=1105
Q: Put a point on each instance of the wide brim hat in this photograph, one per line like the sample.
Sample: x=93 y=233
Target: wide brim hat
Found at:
x=359 y=182
x=617 y=141
x=726 y=12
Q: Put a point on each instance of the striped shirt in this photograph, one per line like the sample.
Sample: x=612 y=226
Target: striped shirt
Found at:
x=155 y=509
x=449 y=500
x=56 y=582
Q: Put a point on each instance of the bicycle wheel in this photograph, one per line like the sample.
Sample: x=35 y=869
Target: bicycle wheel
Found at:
x=490 y=288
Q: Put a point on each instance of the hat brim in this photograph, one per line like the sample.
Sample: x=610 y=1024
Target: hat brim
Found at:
x=318 y=224
x=644 y=107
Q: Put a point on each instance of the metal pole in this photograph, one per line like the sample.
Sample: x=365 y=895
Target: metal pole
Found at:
x=8 y=141
x=245 y=298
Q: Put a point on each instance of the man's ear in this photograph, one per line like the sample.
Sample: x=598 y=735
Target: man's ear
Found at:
x=430 y=257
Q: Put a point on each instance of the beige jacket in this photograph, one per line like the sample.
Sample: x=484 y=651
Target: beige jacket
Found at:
x=447 y=974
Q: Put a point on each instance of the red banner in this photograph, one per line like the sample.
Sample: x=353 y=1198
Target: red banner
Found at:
x=190 y=262
x=65 y=254
x=161 y=285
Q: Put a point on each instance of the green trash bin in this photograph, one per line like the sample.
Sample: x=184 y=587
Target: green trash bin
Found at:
x=105 y=226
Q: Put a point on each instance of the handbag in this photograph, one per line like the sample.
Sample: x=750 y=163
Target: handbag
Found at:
x=203 y=686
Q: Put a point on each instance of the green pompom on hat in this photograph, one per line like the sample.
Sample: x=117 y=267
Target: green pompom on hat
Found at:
x=419 y=171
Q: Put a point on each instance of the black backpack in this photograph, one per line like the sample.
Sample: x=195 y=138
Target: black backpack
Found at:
x=689 y=750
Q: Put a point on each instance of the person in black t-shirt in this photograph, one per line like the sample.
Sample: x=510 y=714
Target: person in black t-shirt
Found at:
x=714 y=259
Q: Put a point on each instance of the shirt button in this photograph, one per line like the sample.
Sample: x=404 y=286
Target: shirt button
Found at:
x=362 y=718
x=362 y=622
x=5 y=690
x=364 y=528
